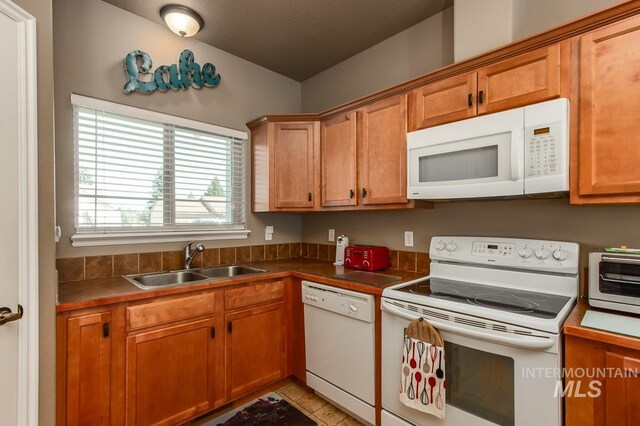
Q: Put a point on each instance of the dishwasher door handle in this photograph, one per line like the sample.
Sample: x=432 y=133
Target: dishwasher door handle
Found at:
x=519 y=341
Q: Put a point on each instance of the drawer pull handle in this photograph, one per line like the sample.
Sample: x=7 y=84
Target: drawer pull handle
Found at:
x=213 y=332
x=470 y=100
x=229 y=326
x=105 y=329
x=481 y=97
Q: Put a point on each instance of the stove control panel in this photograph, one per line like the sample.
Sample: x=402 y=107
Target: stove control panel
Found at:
x=537 y=255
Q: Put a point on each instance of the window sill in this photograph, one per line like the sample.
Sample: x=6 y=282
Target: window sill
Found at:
x=110 y=239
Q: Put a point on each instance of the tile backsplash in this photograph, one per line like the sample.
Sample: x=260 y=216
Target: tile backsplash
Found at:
x=91 y=267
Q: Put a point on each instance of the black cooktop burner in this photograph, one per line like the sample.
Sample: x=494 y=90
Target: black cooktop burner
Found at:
x=504 y=299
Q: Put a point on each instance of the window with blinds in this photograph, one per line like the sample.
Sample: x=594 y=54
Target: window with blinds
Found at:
x=135 y=174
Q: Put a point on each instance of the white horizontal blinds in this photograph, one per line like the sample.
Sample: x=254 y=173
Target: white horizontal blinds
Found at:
x=134 y=174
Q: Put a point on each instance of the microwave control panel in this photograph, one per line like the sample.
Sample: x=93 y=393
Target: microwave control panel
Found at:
x=542 y=150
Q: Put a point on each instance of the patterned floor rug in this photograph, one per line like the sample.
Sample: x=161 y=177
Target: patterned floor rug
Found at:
x=269 y=409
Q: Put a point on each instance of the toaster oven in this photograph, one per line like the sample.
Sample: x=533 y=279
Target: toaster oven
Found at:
x=614 y=281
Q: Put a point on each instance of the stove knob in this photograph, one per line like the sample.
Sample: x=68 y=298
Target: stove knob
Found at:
x=525 y=252
x=560 y=255
x=451 y=246
x=439 y=246
x=542 y=253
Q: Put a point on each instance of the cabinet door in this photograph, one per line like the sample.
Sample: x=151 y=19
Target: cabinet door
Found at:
x=608 y=147
x=255 y=348
x=384 y=151
x=622 y=394
x=294 y=164
x=171 y=373
x=448 y=100
x=88 y=370
x=338 y=154
x=526 y=79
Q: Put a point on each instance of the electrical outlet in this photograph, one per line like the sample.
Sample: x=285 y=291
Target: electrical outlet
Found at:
x=408 y=238
x=332 y=234
x=268 y=236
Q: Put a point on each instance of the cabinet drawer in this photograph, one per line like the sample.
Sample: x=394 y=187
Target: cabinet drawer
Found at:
x=253 y=294
x=166 y=311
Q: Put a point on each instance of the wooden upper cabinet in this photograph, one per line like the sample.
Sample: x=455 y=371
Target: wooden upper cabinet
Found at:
x=339 y=161
x=294 y=164
x=286 y=166
x=525 y=79
x=171 y=373
x=255 y=348
x=383 y=171
x=608 y=147
x=448 y=100
x=88 y=371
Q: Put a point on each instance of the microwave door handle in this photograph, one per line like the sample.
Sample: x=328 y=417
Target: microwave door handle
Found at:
x=520 y=341
x=517 y=154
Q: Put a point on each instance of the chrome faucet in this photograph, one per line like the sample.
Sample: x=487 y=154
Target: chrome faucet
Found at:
x=189 y=255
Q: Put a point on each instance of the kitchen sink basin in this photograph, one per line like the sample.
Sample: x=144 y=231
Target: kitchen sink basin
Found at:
x=176 y=278
x=229 y=271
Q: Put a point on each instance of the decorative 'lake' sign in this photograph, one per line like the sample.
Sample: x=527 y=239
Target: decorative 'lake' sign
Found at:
x=186 y=73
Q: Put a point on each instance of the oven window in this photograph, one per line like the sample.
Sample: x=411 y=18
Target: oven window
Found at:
x=480 y=383
x=467 y=164
x=622 y=279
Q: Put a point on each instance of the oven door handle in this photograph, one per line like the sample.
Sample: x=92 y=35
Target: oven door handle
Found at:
x=520 y=341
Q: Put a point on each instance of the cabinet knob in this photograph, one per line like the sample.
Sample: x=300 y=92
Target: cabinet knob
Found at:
x=351 y=193
x=309 y=196
x=364 y=192
x=470 y=100
x=481 y=97
x=105 y=329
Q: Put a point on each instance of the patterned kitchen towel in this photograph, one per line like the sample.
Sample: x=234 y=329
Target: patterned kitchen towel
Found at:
x=423 y=381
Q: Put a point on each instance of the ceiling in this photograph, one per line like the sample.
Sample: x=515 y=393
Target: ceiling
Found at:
x=296 y=38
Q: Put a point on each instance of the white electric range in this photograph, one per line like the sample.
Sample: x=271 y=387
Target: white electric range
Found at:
x=500 y=304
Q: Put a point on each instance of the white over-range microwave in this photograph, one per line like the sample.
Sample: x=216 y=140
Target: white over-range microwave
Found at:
x=517 y=152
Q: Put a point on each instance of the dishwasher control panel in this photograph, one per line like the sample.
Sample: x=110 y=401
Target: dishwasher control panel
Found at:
x=346 y=302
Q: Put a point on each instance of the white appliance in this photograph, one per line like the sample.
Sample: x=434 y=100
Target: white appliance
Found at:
x=515 y=152
x=341 y=243
x=500 y=304
x=339 y=330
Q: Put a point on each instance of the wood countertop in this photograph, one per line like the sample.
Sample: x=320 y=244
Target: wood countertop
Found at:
x=572 y=327
x=105 y=291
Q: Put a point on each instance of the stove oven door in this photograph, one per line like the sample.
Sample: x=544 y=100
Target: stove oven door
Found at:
x=491 y=377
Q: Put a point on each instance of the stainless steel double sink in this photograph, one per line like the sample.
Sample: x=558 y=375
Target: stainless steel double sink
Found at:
x=189 y=276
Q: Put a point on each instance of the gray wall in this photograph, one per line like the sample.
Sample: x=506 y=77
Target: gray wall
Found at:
x=424 y=47
x=91 y=39
x=41 y=10
x=535 y=16
x=552 y=219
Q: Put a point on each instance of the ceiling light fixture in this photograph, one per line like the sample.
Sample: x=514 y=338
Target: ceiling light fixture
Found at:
x=181 y=20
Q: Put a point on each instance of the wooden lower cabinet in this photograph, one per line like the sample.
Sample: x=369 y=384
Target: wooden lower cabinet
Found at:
x=171 y=373
x=255 y=348
x=610 y=398
x=88 y=368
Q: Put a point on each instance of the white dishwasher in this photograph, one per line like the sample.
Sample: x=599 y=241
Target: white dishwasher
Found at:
x=340 y=347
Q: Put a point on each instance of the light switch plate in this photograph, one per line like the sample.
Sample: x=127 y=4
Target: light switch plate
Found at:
x=268 y=229
x=408 y=238
x=332 y=234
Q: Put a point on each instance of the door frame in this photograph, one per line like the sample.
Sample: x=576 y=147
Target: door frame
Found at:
x=28 y=275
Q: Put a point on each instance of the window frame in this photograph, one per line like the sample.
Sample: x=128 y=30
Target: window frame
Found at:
x=138 y=235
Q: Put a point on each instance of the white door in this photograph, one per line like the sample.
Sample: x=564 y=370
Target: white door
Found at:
x=18 y=230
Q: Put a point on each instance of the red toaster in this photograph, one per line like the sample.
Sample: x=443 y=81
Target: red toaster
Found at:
x=367 y=258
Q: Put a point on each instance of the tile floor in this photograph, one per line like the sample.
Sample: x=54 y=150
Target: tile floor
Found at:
x=315 y=407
